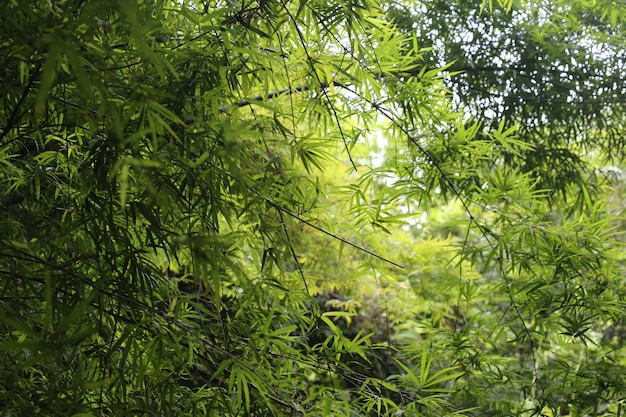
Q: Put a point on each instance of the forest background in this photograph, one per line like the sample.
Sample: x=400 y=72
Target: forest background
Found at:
x=312 y=208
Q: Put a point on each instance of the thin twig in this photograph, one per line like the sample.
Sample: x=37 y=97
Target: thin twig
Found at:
x=326 y=232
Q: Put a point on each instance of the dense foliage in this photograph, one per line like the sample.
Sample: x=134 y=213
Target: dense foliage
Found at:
x=311 y=208
x=555 y=69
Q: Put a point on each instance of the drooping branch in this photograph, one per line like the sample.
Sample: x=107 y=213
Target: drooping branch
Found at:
x=274 y=94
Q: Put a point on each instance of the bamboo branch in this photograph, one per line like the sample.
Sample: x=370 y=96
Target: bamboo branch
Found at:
x=273 y=94
x=414 y=73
